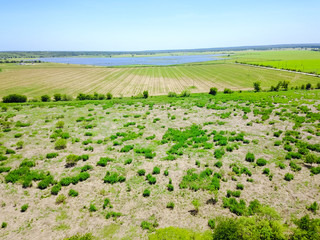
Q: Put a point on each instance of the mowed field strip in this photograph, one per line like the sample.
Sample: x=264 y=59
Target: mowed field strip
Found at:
x=36 y=80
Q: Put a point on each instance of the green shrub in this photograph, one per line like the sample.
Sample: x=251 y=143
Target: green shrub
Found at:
x=128 y=161
x=288 y=177
x=141 y=172
x=170 y=187
x=4 y=225
x=109 y=96
x=73 y=193
x=281 y=165
x=114 y=215
x=227 y=91
x=151 y=179
x=10 y=151
x=166 y=173
x=240 y=186
x=55 y=189
x=313 y=207
x=60 y=124
x=104 y=161
x=156 y=170
x=213 y=91
x=24 y=207
x=18 y=135
x=315 y=170
x=106 y=203
x=146 y=193
x=172 y=94
x=294 y=167
x=126 y=148
x=266 y=171
x=212 y=223
x=250 y=157
x=72 y=160
x=43 y=184
x=170 y=205
x=218 y=153
x=92 y=208
x=60 y=144
x=185 y=93
x=52 y=155
x=14 y=98
x=145 y=94
x=26 y=163
x=148 y=225
x=61 y=199
x=261 y=162
x=45 y=98
x=113 y=177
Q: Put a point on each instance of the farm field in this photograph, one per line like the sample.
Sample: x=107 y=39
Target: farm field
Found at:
x=162 y=166
x=36 y=80
x=297 y=60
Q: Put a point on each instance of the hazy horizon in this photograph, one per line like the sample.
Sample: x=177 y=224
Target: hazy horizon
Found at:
x=166 y=25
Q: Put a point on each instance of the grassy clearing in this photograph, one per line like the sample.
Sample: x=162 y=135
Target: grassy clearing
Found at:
x=160 y=166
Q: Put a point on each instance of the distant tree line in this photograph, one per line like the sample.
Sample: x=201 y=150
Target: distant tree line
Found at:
x=20 y=61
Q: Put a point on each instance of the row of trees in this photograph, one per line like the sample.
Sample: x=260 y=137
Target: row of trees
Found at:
x=284 y=86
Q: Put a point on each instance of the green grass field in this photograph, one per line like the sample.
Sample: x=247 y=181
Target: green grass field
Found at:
x=162 y=167
x=303 y=61
x=36 y=80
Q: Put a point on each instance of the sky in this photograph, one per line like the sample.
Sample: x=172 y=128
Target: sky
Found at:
x=134 y=25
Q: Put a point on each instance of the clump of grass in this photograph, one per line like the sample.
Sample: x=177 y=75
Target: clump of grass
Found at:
x=170 y=205
x=156 y=170
x=60 y=144
x=288 y=177
x=61 y=199
x=128 y=161
x=24 y=207
x=52 y=155
x=141 y=172
x=113 y=177
x=104 y=161
x=151 y=179
x=261 y=162
x=313 y=207
x=250 y=157
x=73 y=193
x=146 y=193
x=92 y=208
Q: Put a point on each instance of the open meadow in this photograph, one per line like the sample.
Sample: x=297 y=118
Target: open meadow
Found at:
x=294 y=60
x=161 y=167
x=48 y=78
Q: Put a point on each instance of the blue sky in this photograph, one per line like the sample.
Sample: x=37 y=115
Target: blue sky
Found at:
x=126 y=25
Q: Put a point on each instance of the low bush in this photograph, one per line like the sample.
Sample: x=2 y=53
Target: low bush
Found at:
x=92 y=208
x=313 y=207
x=113 y=177
x=73 y=193
x=170 y=187
x=156 y=170
x=52 y=155
x=24 y=207
x=213 y=91
x=128 y=161
x=151 y=179
x=60 y=144
x=106 y=203
x=55 y=189
x=170 y=205
x=114 y=215
x=261 y=162
x=212 y=223
x=141 y=172
x=250 y=157
x=288 y=177
x=146 y=193
x=104 y=161
x=14 y=98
